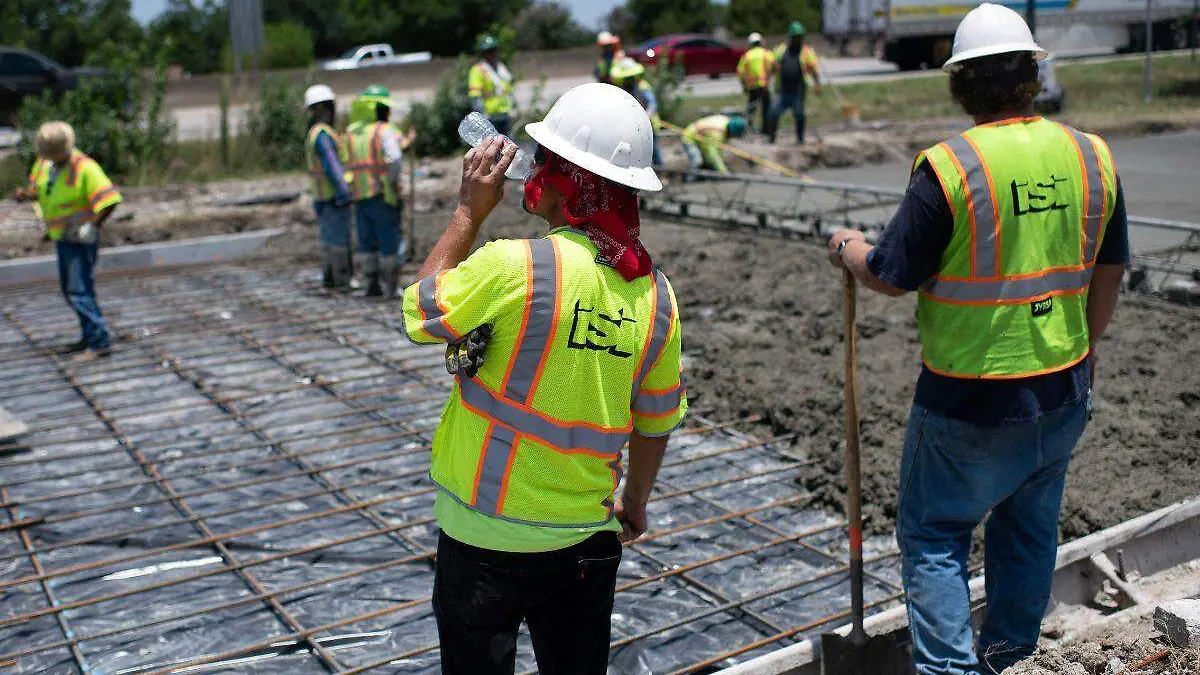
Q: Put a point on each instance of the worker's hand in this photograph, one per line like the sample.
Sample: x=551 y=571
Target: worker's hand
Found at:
x=837 y=239
x=483 y=177
x=22 y=194
x=817 y=89
x=632 y=516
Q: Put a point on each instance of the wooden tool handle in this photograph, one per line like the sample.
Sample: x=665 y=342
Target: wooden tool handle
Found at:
x=853 y=480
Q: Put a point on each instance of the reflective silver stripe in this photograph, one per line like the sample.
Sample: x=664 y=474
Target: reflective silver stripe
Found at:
x=497 y=452
x=983 y=205
x=427 y=301
x=595 y=523
x=1010 y=290
x=664 y=316
x=542 y=313
x=1095 y=193
x=659 y=403
x=561 y=435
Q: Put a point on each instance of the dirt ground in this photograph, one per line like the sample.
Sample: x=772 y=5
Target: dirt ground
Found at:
x=1110 y=655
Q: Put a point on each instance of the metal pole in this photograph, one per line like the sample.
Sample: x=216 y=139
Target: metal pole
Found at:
x=1149 y=47
x=1031 y=16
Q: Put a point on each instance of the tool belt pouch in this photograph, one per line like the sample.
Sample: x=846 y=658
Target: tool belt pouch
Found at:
x=465 y=355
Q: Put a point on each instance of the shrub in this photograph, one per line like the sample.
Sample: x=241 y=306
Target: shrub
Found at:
x=285 y=45
x=278 y=123
x=668 y=80
x=437 y=121
x=549 y=25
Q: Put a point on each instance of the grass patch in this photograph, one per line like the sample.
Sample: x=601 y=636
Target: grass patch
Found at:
x=1098 y=95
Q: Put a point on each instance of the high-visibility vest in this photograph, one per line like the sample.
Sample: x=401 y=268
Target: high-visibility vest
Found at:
x=493 y=85
x=80 y=191
x=755 y=66
x=323 y=190
x=603 y=69
x=365 y=163
x=707 y=129
x=1031 y=200
x=581 y=358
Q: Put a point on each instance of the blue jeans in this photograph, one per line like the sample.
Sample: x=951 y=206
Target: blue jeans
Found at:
x=378 y=225
x=952 y=474
x=333 y=223
x=793 y=102
x=76 y=277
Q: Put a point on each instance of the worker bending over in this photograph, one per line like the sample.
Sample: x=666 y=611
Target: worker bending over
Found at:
x=332 y=196
x=74 y=198
x=489 y=85
x=798 y=68
x=584 y=356
x=754 y=72
x=375 y=155
x=702 y=140
x=630 y=76
x=1014 y=234
x=610 y=54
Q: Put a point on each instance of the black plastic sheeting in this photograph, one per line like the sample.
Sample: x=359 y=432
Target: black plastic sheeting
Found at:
x=240 y=331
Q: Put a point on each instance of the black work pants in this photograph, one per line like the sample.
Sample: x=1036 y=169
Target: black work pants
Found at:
x=760 y=98
x=565 y=596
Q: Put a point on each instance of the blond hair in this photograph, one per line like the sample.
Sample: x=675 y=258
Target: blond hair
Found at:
x=54 y=139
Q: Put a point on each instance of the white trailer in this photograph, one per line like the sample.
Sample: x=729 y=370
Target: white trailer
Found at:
x=918 y=33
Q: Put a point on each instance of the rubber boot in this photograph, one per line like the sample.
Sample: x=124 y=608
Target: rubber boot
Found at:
x=389 y=275
x=370 y=268
x=338 y=263
x=327 y=269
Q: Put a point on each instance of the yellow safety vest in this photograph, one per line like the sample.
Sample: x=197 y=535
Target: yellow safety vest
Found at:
x=1031 y=201
x=323 y=190
x=755 y=66
x=365 y=163
x=80 y=188
x=711 y=128
x=496 y=92
x=578 y=358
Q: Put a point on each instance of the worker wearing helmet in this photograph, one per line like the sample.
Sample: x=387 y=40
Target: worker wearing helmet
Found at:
x=630 y=76
x=332 y=196
x=490 y=85
x=1014 y=233
x=583 y=357
x=375 y=154
x=797 y=68
x=702 y=140
x=754 y=71
x=610 y=54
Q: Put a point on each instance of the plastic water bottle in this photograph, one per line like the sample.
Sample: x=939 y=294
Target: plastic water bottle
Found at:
x=475 y=128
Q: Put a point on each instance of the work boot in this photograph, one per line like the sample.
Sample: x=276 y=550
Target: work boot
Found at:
x=327 y=270
x=337 y=264
x=370 y=268
x=91 y=354
x=73 y=348
x=389 y=275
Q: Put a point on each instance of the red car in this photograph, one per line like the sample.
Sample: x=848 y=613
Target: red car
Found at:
x=699 y=54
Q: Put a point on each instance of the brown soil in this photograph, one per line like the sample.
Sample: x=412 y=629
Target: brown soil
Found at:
x=1101 y=657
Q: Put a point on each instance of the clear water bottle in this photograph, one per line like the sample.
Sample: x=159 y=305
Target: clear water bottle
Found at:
x=475 y=128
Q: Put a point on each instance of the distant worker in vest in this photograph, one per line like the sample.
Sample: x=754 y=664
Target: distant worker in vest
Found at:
x=74 y=198
x=797 y=69
x=754 y=71
x=1014 y=235
x=332 y=196
x=610 y=54
x=489 y=85
x=583 y=356
x=630 y=76
x=375 y=157
x=703 y=138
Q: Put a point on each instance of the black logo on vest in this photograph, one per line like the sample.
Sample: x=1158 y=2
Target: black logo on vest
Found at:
x=1038 y=198
x=599 y=332
x=1042 y=307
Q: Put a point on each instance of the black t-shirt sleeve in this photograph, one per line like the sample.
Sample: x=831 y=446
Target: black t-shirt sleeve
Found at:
x=1114 y=248
x=910 y=249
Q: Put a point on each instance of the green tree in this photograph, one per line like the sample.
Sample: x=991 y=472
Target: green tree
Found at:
x=658 y=17
x=549 y=25
x=68 y=30
x=438 y=26
x=771 y=17
x=191 y=35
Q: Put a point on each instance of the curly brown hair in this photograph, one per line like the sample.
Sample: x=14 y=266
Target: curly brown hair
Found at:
x=994 y=85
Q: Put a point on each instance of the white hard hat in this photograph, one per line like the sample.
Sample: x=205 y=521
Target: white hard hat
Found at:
x=988 y=30
x=318 y=93
x=754 y=38
x=606 y=38
x=603 y=129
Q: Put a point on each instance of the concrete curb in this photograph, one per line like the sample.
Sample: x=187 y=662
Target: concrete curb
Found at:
x=220 y=248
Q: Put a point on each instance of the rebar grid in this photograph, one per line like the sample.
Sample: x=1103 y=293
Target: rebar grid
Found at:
x=284 y=432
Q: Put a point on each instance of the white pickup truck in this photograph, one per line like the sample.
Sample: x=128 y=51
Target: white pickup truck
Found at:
x=368 y=56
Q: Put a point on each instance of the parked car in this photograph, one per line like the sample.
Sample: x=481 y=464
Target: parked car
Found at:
x=699 y=54
x=1051 y=98
x=368 y=56
x=27 y=73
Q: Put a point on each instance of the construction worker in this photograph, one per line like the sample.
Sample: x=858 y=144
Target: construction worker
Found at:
x=754 y=71
x=702 y=139
x=798 y=68
x=584 y=356
x=610 y=53
x=630 y=76
x=1015 y=235
x=375 y=156
x=74 y=198
x=332 y=196
x=489 y=85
